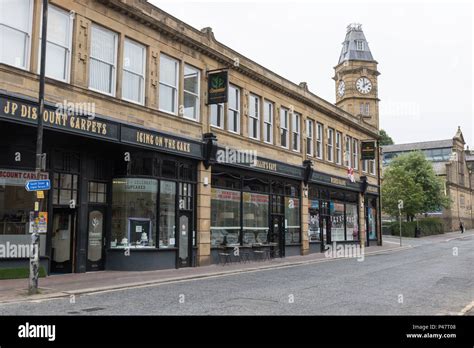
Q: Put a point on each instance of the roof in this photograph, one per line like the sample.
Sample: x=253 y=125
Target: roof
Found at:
x=436 y=144
x=349 y=46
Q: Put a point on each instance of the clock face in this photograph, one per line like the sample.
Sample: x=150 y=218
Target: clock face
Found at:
x=363 y=85
x=341 y=88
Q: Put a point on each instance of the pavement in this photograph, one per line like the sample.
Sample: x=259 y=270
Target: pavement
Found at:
x=64 y=285
x=434 y=277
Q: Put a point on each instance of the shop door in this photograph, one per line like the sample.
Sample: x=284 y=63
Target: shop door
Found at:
x=185 y=242
x=63 y=240
x=278 y=236
x=96 y=240
x=325 y=225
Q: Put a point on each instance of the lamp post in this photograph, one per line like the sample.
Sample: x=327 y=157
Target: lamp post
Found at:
x=34 y=257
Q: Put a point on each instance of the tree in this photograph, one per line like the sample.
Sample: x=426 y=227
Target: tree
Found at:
x=385 y=139
x=411 y=178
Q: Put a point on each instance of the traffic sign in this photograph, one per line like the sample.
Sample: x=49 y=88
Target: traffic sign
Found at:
x=38 y=185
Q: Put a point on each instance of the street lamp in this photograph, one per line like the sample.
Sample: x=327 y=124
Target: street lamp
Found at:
x=34 y=257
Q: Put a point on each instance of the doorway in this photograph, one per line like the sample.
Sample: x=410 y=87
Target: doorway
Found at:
x=185 y=242
x=63 y=240
x=325 y=225
x=277 y=236
x=95 y=239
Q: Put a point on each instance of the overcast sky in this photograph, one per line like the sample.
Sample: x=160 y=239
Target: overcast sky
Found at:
x=424 y=50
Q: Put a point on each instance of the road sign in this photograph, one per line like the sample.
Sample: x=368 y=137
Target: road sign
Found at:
x=38 y=185
x=400 y=204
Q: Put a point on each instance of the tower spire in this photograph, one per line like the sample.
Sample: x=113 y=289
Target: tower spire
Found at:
x=355 y=45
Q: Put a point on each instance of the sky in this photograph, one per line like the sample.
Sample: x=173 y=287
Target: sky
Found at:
x=424 y=50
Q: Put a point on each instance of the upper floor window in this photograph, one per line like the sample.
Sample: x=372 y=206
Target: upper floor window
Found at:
x=233 y=115
x=365 y=109
x=133 y=84
x=296 y=131
x=58 y=45
x=284 y=125
x=254 y=116
x=347 y=152
x=217 y=115
x=319 y=140
x=103 y=60
x=168 y=98
x=330 y=145
x=338 y=148
x=355 y=153
x=359 y=45
x=372 y=167
x=364 y=166
x=16 y=18
x=268 y=122
x=309 y=137
x=191 y=92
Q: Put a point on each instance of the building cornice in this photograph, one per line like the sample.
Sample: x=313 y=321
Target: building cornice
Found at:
x=205 y=43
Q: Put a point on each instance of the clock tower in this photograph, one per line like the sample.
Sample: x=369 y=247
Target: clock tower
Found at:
x=356 y=77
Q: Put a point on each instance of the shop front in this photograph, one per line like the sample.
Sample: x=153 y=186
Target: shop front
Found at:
x=123 y=199
x=252 y=210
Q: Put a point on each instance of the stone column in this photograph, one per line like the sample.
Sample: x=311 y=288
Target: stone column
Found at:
x=304 y=220
x=203 y=230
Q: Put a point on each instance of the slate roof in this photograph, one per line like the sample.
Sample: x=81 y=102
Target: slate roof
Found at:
x=349 y=46
x=436 y=144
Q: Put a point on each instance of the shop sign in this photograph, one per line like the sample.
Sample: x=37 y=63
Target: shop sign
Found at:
x=217 y=87
x=19 y=177
x=373 y=189
x=367 y=150
x=224 y=195
x=160 y=141
x=58 y=118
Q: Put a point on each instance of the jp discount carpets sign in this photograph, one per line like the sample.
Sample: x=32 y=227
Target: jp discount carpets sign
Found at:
x=19 y=177
x=367 y=150
x=217 y=87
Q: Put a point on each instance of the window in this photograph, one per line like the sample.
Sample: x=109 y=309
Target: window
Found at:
x=134 y=207
x=364 y=166
x=254 y=116
x=338 y=148
x=309 y=137
x=255 y=217
x=330 y=145
x=365 y=109
x=16 y=17
x=355 y=153
x=319 y=140
x=296 y=131
x=167 y=214
x=337 y=221
x=268 y=122
x=133 y=84
x=292 y=220
x=359 y=45
x=168 y=98
x=347 y=152
x=233 y=116
x=97 y=192
x=352 y=230
x=103 y=60
x=372 y=167
x=225 y=216
x=58 y=45
x=217 y=115
x=284 y=132
x=191 y=92
x=64 y=188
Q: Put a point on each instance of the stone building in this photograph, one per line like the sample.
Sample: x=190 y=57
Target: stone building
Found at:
x=145 y=174
x=454 y=165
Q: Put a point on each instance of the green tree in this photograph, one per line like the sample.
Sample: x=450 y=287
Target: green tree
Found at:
x=411 y=178
x=385 y=139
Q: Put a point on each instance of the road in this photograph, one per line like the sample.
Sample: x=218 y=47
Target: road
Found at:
x=434 y=277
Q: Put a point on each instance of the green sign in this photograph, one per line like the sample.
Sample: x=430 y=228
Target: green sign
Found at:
x=367 y=149
x=217 y=87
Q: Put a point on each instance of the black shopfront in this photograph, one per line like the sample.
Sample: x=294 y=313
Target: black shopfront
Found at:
x=121 y=198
